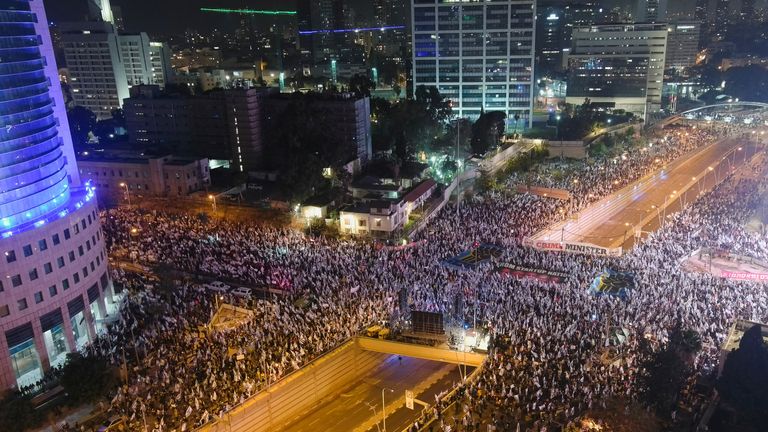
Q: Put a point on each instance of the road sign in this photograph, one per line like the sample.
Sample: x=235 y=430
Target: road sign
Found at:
x=409 y=399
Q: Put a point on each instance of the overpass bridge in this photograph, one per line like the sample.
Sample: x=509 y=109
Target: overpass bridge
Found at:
x=345 y=389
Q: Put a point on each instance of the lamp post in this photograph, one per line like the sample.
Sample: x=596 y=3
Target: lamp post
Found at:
x=383 y=408
x=127 y=192
x=213 y=201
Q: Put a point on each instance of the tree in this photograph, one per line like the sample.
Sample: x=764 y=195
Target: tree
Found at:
x=667 y=370
x=361 y=85
x=301 y=145
x=396 y=89
x=81 y=122
x=743 y=385
x=487 y=131
x=17 y=413
x=87 y=379
x=436 y=105
x=747 y=83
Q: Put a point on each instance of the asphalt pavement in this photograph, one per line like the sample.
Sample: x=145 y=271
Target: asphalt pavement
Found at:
x=358 y=408
x=640 y=207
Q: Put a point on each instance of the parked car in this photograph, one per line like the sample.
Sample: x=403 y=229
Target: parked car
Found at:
x=217 y=286
x=242 y=292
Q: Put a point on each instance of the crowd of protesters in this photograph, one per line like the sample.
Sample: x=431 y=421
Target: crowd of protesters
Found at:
x=547 y=363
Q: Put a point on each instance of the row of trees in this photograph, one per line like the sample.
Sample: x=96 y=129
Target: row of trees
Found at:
x=83 y=126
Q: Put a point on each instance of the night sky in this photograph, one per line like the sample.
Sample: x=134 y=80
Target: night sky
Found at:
x=174 y=16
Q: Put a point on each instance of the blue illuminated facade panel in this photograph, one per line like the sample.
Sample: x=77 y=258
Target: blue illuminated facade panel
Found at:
x=45 y=212
x=33 y=173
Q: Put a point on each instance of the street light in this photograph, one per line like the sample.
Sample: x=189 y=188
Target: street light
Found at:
x=127 y=192
x=213 y=198
x=383 y=408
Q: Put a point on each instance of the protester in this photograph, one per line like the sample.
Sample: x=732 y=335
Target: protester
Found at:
x=548 y=340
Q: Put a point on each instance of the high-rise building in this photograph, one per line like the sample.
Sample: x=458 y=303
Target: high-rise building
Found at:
x=349 y=118
x=117 y=16
x=479 y=55
x=550 y=40
x=390 y=13
x=317 y=19
x=134 y=53
x=97 y=74
x=618 y=66
x=720 y=20
x=145 y=62
x=55 y=289
x=747 y=11
x=682 y=44
x=160 y=63
x=100 y=10
x=221 y=125
x=651 y=11
x=701 y=11
x=577 y=15
x=103 y=65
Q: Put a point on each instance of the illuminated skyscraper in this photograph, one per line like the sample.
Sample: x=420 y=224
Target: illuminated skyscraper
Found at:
x=53 y=264
x=478 y=54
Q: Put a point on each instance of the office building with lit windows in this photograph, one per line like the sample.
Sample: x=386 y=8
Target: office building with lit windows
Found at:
x=478 y=54
x=618 y=66
x=55 y=290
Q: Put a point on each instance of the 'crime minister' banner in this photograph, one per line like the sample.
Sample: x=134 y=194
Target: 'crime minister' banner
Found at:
x=522 y=272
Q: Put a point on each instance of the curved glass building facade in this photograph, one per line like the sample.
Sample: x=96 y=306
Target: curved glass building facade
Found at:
x=55 y=290
x=33 y=174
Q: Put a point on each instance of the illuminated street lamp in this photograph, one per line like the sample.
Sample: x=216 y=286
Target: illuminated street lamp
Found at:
x=213 y=202
x=127 y=192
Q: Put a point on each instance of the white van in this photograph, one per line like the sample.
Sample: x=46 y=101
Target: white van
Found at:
x=217 y=286
x=242 y=292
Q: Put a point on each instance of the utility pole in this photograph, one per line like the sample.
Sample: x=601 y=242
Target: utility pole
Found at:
x=458 y=174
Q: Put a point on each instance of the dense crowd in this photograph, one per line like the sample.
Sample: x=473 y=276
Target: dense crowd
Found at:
x=549 y=342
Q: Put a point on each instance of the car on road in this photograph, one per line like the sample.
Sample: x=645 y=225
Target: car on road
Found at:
x=242 y=292
x=217 y=286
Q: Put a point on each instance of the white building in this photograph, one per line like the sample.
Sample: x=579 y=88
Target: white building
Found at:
x=103 y=65
x=479 y=55
x=380 y=218
x=147 y=176
x=145 y=62
x=134 y=49
x=96 y=70
x=618 y=66
x=160 y=63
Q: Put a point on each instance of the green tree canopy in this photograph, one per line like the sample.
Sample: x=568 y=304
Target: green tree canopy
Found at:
x=301 y=143
x=361 y=85
x=487 y=131
x=81 y=122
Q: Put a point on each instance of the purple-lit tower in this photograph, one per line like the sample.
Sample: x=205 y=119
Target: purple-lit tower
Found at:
x=55 y=290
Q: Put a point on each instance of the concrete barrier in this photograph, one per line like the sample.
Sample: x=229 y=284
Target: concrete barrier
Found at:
x=567 y=149
x=297 y=394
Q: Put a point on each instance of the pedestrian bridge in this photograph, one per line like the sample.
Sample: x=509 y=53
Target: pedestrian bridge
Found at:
x=424 y=352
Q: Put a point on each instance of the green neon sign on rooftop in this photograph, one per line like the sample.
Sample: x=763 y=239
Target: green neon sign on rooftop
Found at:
x=250 y=11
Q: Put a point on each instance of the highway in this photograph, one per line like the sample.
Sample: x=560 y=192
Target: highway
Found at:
x=358 y=408
x=639 y=207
